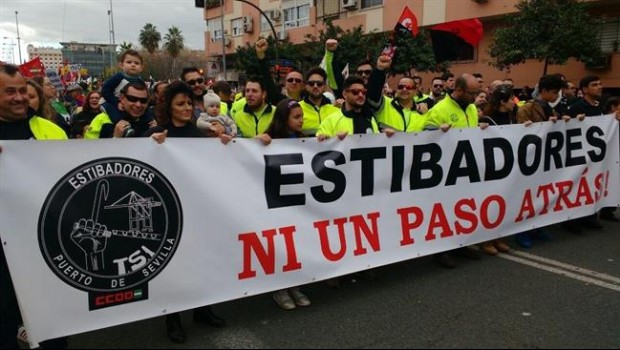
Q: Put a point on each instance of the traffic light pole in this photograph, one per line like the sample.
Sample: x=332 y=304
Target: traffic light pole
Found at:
x=273 y=29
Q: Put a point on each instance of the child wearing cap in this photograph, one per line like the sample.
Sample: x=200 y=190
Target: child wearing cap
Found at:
x=212 y=122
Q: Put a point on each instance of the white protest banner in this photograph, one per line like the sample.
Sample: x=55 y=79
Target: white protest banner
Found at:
x=100 y=233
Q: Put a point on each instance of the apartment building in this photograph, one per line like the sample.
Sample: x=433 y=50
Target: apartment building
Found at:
x=50 y=57
x=242 y=23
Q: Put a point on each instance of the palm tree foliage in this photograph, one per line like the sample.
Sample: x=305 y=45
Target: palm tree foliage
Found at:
x=150 y=38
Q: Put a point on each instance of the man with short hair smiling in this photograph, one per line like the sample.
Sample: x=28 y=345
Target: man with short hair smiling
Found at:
x=193 y=77
x=133 y=103
x=19 y=122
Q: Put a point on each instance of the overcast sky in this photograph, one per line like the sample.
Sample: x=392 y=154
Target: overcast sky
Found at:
x=48 y=22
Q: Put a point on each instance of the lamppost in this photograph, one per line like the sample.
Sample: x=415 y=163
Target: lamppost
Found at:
x=112 y=40
x=19 y=46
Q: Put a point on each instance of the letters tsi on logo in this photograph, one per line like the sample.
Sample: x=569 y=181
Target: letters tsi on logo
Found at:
x=108 y=227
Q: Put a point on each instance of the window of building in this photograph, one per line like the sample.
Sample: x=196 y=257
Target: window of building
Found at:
x=237 y=26
x=264 y=25
x=296 y=13
x=610 y=35
x=327 y=9
x=467 y=54
x=371 y=3
x=215 y=27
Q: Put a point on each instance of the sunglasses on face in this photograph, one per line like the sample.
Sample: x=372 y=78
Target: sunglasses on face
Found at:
x=364 y=72
x=316 y=83
x=195 y=81
x=135 y=99
x=438 y=85
x=357 y=91
x=404 y=87
x=294 y=80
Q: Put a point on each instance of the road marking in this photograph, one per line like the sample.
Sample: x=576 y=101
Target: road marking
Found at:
x=513 y=256
x=573 y=268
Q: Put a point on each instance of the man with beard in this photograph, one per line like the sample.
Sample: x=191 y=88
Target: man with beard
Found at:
x=253 y=114
x=354 y=118
x=315 y=105
x=193 y=78
x=456 y=110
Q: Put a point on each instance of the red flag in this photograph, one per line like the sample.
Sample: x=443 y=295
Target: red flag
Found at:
x=32 y=68
x=407 y=23
x=470 y=30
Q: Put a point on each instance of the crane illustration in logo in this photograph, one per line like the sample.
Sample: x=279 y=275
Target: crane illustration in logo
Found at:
x=92 y=236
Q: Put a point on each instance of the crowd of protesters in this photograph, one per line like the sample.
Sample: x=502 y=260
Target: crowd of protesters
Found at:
x=319 y=103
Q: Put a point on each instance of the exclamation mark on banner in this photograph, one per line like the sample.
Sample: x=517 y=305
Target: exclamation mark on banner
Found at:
x=606 y=183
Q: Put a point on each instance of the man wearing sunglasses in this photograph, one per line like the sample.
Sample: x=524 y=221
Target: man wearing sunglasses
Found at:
x=356 y=117
x=193 y=77
x=315 y=105
x=133 y=103
x=437 y=93
x=293 y=83
x=401 y=113
x=364 y=69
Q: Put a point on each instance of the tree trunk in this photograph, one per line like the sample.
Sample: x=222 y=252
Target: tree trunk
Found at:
x=546 y=66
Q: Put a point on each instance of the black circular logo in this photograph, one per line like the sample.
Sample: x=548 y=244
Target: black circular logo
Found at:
x=110 y=224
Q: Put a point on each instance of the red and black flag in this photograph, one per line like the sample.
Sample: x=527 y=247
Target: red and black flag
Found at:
x=452 y=39
x=407 y=25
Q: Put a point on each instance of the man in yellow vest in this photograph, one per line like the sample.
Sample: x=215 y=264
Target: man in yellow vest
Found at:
x=401 y=113
x=252 y=114
x=18 y=122
x=315 y=105
x=356 y=117
x=456 y=110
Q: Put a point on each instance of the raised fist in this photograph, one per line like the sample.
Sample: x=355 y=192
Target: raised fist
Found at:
x=331 y=45
x=261 y=47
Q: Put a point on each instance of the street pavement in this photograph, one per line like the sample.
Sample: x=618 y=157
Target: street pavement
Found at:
x=559 y=294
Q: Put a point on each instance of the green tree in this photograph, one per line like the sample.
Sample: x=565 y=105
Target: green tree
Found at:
x=353 y=45
x=173 y=44
x=150 y=38
x=548 y=30
x=124 y=46
x=415 y=53
x=245 y=56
